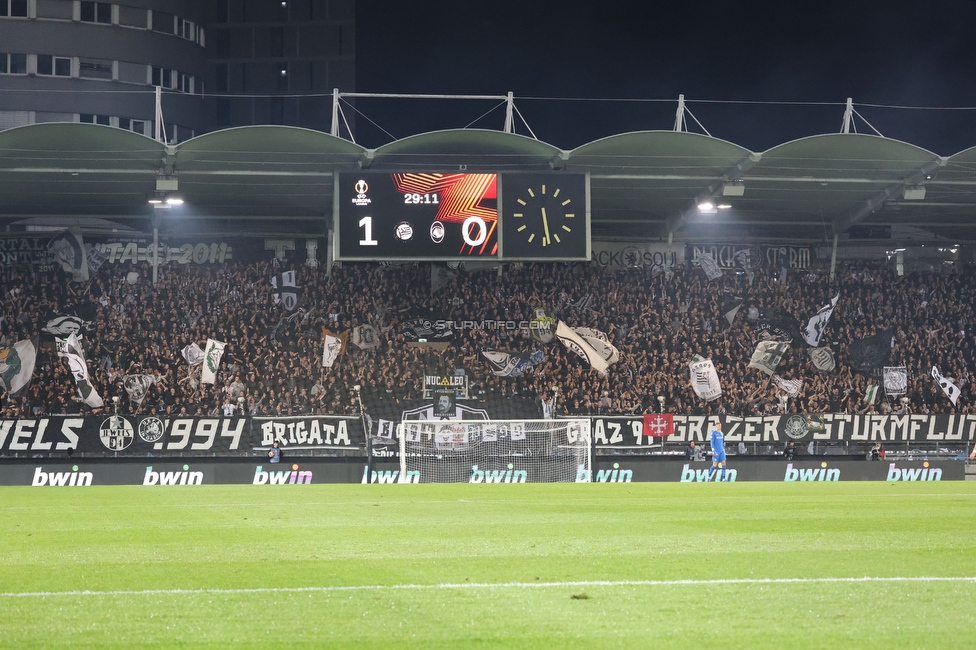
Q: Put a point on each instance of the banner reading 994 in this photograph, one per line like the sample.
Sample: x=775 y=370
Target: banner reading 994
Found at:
x=417 y=216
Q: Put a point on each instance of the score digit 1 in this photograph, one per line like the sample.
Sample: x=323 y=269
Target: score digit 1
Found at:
x=367 y=225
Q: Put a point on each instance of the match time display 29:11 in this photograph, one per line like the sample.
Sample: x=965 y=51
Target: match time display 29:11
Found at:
x=419 y=216
x=437 y=216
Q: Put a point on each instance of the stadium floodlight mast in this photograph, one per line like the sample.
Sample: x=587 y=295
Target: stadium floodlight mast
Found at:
x=369 y=439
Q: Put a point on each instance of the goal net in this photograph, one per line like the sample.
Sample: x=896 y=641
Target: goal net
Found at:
x=495 y=451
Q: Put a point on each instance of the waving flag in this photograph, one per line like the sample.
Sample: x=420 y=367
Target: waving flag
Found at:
x=818 y=322
x=211 y=361
x=577 y=344
x=75 y=355
x=17 y=365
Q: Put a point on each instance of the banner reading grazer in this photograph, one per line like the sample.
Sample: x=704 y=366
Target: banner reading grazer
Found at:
x=628 y=431
x=139 y=436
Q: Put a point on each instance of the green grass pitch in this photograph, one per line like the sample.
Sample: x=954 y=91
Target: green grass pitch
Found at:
x=522 y=566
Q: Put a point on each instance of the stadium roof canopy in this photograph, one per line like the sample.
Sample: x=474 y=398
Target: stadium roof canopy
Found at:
x=277 y=180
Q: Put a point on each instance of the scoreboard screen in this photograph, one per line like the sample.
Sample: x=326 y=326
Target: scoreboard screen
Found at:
x=417 y=216
x=445 y=217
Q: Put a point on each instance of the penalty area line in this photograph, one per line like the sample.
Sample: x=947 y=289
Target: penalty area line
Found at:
x=484 y=585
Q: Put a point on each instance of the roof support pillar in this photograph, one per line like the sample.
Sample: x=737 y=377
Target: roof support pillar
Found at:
x=848 y=116
x=335 y=113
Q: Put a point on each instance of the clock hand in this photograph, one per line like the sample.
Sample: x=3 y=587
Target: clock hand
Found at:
x=545 y=224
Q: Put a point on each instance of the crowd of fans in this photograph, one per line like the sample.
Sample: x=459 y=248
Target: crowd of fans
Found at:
x=657 y=318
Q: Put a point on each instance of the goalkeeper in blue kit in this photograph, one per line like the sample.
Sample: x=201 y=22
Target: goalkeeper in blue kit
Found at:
x=717 y=441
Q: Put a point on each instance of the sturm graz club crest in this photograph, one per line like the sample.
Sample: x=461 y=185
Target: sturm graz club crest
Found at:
x=797 y=426
x=151 y=429
x=116 y=433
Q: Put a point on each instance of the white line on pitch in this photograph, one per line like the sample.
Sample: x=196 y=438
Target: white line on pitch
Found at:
x=487 y=585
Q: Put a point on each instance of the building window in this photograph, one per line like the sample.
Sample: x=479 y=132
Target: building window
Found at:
x=13 y=64
x=94 y=69
x=57 y=66
x=138 y=126
x=162 y=77
x=96 y=12
x=88 y=118
x=186 y=83
x=188 y=30
x=13 y=8
x=163 y=22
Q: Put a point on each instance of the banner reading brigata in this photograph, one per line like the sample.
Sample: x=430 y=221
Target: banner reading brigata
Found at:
x=133 y=436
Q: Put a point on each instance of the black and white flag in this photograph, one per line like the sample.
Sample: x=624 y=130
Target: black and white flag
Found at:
x=137 y=386
x=767 y=356
x=333 y=345
x=440 y=275
x=385 y=429
x=69 y=251
x=730 y=307
x=64 y=325
x=822 y=358
x=75 y=355
x=704 y=379
x=789 y=386
x=895 y=380
x=577 y=344
x=584 y=302
x=285 y=292
x=511 y=364
x=869 y=355
x=193 y=354
x=818 y=322
x=948 y=386
x=365 y=337
x=600 y=342
x=709 y=266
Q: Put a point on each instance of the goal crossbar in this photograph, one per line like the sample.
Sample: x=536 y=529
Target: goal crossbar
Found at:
x=495 y=451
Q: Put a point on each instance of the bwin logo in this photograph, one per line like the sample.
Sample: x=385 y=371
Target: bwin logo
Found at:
x=74 y=478
x=615 y=475
x=923 y=473
x=811 y=474
x=498 y=476
x=689 y=475
x=281 y=478
x=185 y=477
x=413 y=476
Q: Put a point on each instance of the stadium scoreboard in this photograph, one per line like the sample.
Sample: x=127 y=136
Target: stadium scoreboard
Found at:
x=461 y=216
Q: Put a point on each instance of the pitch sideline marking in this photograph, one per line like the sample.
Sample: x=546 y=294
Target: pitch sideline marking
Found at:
x=487 y=585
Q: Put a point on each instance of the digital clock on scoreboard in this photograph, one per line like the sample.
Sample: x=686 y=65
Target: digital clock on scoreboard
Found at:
x=417 y=216
x=438 y=216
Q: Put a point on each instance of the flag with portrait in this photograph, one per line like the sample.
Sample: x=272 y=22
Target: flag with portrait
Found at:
x=895 y=380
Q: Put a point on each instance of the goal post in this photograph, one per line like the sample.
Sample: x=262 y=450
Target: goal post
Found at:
x=495 y=451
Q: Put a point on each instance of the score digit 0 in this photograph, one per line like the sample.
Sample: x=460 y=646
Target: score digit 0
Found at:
x=482 y=231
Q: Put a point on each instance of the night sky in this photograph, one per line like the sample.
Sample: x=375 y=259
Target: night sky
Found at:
x=898 y=53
